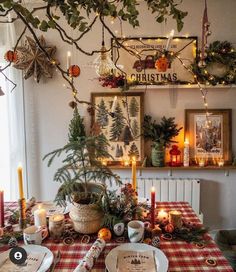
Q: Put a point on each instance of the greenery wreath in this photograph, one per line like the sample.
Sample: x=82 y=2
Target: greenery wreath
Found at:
x=220 y=64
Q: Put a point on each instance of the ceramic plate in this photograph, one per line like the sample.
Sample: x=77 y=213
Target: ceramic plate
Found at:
x=48 y=259
x=51 y=208
x=161 y=260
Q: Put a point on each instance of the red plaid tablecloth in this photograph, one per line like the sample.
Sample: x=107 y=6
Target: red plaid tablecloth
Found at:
x=181 y=255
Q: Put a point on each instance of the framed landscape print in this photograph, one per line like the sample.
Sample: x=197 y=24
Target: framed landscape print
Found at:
x=153 y=68
x=120 y=117
x=210 y=139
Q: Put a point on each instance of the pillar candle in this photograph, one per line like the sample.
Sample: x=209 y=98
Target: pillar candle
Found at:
x=186 y=153
x=1 y=209
x=134 y=179
x=153 y=200
x=20 y=181
x=40 y=217
x=175 y=218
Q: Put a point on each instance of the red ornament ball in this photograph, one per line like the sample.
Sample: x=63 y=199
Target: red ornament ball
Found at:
x=169 y=228
x=10 y=56
x=74 y=71
x=162 y=64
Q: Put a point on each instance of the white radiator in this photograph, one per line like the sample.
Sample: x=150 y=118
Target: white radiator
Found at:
x=187 y=190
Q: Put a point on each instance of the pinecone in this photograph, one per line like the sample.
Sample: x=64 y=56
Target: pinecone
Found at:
x=12 y=242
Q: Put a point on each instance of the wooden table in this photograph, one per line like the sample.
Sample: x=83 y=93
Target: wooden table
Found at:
x=181 y=255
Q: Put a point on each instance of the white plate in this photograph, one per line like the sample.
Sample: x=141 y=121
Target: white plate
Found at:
x=161 y=260
x=48 y=259
x=51 y=208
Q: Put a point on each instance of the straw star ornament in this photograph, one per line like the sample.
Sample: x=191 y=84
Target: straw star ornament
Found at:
x=33 y=61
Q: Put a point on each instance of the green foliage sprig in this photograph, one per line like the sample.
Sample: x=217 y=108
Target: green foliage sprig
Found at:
x=162 y=132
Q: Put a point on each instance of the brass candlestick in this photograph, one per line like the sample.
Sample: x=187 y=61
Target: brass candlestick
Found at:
x=22 y=213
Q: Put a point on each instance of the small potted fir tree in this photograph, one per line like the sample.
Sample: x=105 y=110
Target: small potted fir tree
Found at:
x=82 y=175
x=161 y=134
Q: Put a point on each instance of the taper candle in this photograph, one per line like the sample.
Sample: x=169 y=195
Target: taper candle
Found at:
x=169 y=39
x=134 y=179
x=186 y=153
x=1 y=209
x=68 y=60
x=20 y=181
x=153 y=200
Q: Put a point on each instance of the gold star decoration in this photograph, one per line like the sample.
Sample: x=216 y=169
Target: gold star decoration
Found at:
x=33 y=61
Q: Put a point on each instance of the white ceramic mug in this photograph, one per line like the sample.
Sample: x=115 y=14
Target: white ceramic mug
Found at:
x=34 y=235
x=135 y=231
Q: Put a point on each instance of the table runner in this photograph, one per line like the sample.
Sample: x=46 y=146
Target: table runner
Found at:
x=181 y=255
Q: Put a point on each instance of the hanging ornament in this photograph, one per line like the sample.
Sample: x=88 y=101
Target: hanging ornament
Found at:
x=1 y=91
x=10 y=56
x=103 y=63
x=74 y=70
x=162 y=64
x=205 y=34
x=33 y=60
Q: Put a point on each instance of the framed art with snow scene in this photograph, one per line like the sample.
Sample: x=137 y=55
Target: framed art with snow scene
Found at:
x=119 y=117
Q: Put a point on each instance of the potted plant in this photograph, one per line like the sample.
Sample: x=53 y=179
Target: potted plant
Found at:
x=82 y=175
x=161 y=134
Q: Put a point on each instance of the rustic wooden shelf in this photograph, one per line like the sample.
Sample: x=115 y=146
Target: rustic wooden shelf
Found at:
x=181 y=168
x=180 y=86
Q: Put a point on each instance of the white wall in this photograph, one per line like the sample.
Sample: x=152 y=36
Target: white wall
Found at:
x=48 y=113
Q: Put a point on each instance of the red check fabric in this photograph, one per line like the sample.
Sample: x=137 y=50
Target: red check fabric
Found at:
x=181 y=255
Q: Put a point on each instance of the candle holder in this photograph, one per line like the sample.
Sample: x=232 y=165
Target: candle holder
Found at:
x=22 y=213
x=56 y=226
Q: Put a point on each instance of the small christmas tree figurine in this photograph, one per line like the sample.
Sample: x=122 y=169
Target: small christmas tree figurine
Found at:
x=133 y=107
x=133 y=152
x=117 y=124
x=135 y=128
x=102 y=115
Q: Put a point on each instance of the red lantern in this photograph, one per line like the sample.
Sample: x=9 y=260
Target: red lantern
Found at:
x=175 y=159
x=162 y=64
x=74 y=71
x=10 y=56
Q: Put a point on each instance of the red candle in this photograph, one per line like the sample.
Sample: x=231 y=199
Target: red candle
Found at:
x=1 y=209
x=153 y=199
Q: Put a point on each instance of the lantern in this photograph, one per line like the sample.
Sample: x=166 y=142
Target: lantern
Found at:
x=162 y=64
x=74 y=71
x=10 y=56
x=175 y=159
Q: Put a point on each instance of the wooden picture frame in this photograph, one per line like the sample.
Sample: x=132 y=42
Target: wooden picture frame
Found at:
x=213 y=142
x=150 y=49
x=121 y=139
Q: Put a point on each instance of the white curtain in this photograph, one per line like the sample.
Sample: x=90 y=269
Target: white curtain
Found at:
x=12 y=112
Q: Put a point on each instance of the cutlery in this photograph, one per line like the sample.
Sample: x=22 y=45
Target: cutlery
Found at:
x=56 y=260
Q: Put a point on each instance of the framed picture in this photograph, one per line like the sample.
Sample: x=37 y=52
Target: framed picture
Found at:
x=122 y=127
x=148 y=66
x=212 y=139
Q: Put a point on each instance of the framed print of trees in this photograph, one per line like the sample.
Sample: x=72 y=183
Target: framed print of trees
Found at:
x=119 y=117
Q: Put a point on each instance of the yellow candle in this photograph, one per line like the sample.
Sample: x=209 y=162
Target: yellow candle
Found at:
x=20 y=181
x=134 y=179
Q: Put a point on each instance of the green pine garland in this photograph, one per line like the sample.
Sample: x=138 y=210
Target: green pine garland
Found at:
x=221 y=53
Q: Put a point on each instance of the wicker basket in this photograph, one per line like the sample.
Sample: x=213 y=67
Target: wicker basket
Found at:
x=87 y=219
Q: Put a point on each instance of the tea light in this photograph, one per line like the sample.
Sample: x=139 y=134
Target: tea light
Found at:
x=162 y=215
x=56 y=226
x=104 y=162
x=221 y=163
x=201 y=162
x=126 y=162
x=175 y=218
x=40 y=217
